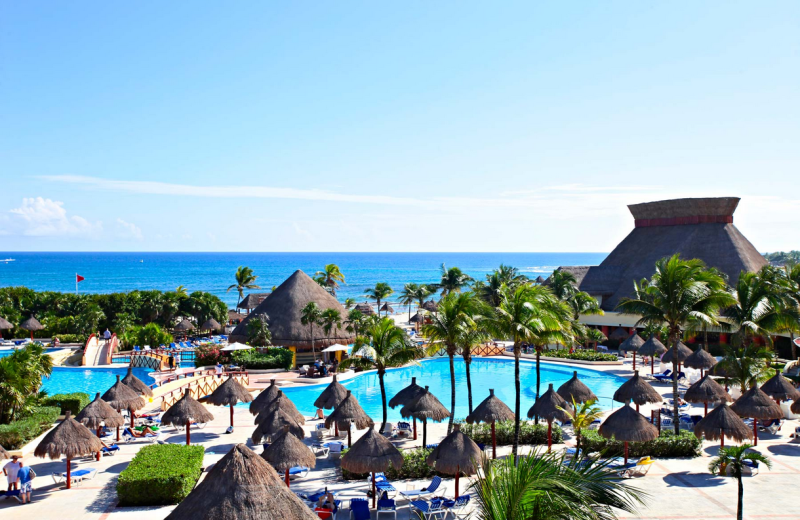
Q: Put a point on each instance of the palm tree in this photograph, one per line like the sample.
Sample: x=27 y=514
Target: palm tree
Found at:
x=791 y=290
x=330 y=276
x=582 y=416
x=258 y=333
x=381 y=291
x=409 y=295
x=245 y=279
x=453 y=280
x=563 y=284
x=583 y=303
x=21 y=375
x=746 y=366
x=469 y=338
x=734 y=457
x=681 y=292
x=489 y=290
x=181 y=291
x=759 y=309
x=349 y=302
x=311 y=315
x=422 y=292
x=355 y=321
x=329 y=319
x=388 y=346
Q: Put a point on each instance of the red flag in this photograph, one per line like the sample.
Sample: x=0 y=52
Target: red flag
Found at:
x=79 y=278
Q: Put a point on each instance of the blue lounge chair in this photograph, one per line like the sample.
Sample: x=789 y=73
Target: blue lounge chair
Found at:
x=128 y=436
x=458 y=506
x=382 y=485
x=298 y=472
x=404 y=428
x=111 y=450
x=359 y=509
x=136 y=348
x=14 y=493
x=75 y=476
x=427 y=510
x=664 y=376
x=386 y=508
x=429 y=490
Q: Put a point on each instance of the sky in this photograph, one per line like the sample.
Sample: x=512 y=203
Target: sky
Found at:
x=390 y=126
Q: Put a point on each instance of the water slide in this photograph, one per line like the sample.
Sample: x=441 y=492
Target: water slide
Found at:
x=98 y=352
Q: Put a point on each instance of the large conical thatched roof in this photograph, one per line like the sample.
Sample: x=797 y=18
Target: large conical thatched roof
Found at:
x=491 y=409
x=683 y=353
x=637 y=390
x=98 y=413
x=456 y=453
x=274 y=423
x=210 y=324
x=700 y=359
x=186 y=410
x=252 y=300
x=349 y=410
x=407 y=394
x=31 y=324
x=652 y=347
x=136 y=384
x=242 y=486
x=122 y=397
x=288 y=451
x=5 y=324
x=778 y=387
x=425 y=406
x=70 y=438
x=706 y=390
x=264 y=397
x=632 y=344
x=281 y=402
x=547 y=406
x=619 y=334
x=372 y=452
x=757 y=405
x=626 y=424
x=723 y=421
x=184 y=325
x=228 y=393
x=284 y=306
x=575 y=390
x=333 y=394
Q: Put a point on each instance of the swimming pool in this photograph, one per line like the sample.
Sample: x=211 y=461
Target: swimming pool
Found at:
x=8 y=351
x=65 y=380
x=485 y=373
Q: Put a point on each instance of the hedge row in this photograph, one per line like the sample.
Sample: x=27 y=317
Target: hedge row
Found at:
x=580 y=354
x=269 y=358
x=160 y=474
x=74 y=402
x=17 y=434
x=504 y=432
x=685 y=444
x=414 y=467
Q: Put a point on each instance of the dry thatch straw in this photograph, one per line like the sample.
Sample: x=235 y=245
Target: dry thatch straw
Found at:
x=70 y=438
x=387 y=308
x=425 y=406
x=184 y=325
x=31 y=324
x=349 y=411
x=252 y=300
x=372 y=453
x=5 y=324
x=210 y=324
x=99 y=413
x=136 y=384
x=365 y=309
x=575 y=390
x=431 y=306
x=456 y=454
x=722 y=422
x=242 y=486
x=683 y=353
x=632 y=344
x=780 y=388
x=228 y=393
x=628 y=425
x=407 y=394
x=757 y=405
x=333 y=394
x=186 y=410
x=706 y=390
x=652 y=347
x=539 y=280
x=795 y=408
x=3 y=454
x=274 y=423
x=122 y=397
x=619 y=334
x=637 y=390
x=490 y=410
x=288 y=451
x=547 y=406
x=281 y=402
x=265 y=397
x=417 y=318
x=700 y=359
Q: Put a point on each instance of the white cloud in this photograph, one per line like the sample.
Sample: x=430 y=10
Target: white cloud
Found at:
x=128 y=230
x=45 y=217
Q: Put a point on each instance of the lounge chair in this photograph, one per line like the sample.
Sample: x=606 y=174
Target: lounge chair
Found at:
x=14 y=493
x=386 y=508
x=772 y=426
x=298 y=472
x=128 y=436
x=427 y=510
x=334 y=449
x=359 y=509
x=75 y=476
x=428 y=490
x=320 y=451
x=595 y=424
x=458 y=506
x=664 y=376
x=404 y=429
x=388 y=430
x=111 y=450
x=382 y=485
x=637 y=469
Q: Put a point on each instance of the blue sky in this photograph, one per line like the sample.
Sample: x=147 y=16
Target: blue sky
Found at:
x=376 y=126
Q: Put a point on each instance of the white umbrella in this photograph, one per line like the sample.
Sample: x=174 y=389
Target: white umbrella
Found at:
x=236 y=346
x=336 y=347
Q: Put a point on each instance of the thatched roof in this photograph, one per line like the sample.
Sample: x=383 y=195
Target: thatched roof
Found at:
x=626 y=424
x=235 y=316
x=70 y=438
x=632 y=344
x=210 y=324
x=546 y=406
x=3 y=454
x=683 y=353
x=31 y=324
x=288 y=451
x=372 y=452
x=186 y=410
x=652 y=347
x=274 y=423
x=407 y=394
x=242 y=486
x=284 y=307
x=778 y=387
x=264 y=397
x=619 y=334
x=431 y=306
x=425 y=406
x=491 y=409
x=122 y=397
x=387 y=308
x=281 y=402
x=347 y=411
x=456 y=453
x=365 y=308
x=417 y=318
x=5 y=324
x=575 y=390
x=695 y=228
x=98 y=413
x=723 y=421
x=228 y=393
x=700 y=359
x=706 y=390
x=136 y=384
x=252 y=300
x=333 y=394
x=539 y=279
x=184 y=325
x=757 y=405
x=637 y=390
x=795 y=407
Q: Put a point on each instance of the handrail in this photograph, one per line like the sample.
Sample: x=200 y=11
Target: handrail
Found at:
x=202 y=387
x=85 y=347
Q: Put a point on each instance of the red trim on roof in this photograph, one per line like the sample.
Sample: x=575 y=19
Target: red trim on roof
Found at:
x=684 y=221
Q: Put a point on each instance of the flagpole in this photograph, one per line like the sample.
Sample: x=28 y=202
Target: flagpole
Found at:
x=76 y=283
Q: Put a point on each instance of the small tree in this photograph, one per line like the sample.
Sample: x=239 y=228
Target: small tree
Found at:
x=311 y=315
x=258 y=333
x=734 y=457
x=582 y=416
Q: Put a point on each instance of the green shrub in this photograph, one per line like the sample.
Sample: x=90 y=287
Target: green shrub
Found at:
x=269 y=358
x=504 y=432
x=18 y=433
x=160 y=474
x=414 y=467
x=74 y=402
x=580 y=354
x=71 y=338
x=151 y=334
x=206 y=355
x=685 y=444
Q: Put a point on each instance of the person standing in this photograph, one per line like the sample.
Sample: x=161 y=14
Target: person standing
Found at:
x=218 y=369
x=107 y=336
x=25 y=476
x=171 y=360
x=10 y=471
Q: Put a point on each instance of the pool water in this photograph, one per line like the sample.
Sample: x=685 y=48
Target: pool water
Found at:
x=8 y=351
x=89 y=380
x=485 y=374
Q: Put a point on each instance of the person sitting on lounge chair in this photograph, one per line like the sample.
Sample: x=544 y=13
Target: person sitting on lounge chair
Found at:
x=144 y=432
x=326 y=501
x=319 y=414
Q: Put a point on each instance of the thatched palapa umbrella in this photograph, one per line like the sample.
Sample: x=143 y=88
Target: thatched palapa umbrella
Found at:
x=31 y=324
x=780 y=388
x=365 y=309
x=272 y=424
x=757 y=405
x=456 y=454
x=4 y=325
x=136 y=384
x=3 y=454
x=97 y=414
x=265 y=397
x=349 y=411
x=70 y=439
x=683 y=353
x=229 y=394
x=387 y=308
x=185 y=411
x=242 y=486
x=628 y=425
x=548 y=406
x=281 y=402
x=405 y=396
x=637 y=390
x=720 y=423
x=701 y=360
x=575 y=390
x=417 y=318
x=706 y=391
x=210 y=325
x=184 y=326
x=122 y=397
x=372 y=453
x=652 y=348
x=539 y=280
x=619 y=334
x=632 y=344
x=330 y=398
x=288 y=451
x=425 y=406
x=491 y=410
x=795 y=407
x=431 y=306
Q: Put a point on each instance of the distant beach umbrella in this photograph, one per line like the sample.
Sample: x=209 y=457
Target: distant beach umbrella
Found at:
x=547 y=406
x=252 y=300
x=349 y=412
x=757 y=405
x=720 y=423
x=632 y=344
x=242 y=486
x=365 y=309
x=707 y=391
x=491 y=410
x=211 y=325
x=281 y=402
x=795 y=407
x=628 y=425
x=372 y=453
x=540 y=280
x=70 y=439
x=619 y=334
x=652 y=348
x=387 y=308
x=575 y=390
x=425 y=406
x=31 y=324
x=780 y=388
x=637 y=390
x=273 y=423
x=456 y=454
x=700 y=359
x=229 y=393
x=136 y=384
x=683 y=353
x=184 y=325
x=122 y=397
x=288 y=451
x=417 y=318
x=405 y=396
x=265 y=397
x=4 y=454
x=185 y=412
x=4 y=325
x=431 y=306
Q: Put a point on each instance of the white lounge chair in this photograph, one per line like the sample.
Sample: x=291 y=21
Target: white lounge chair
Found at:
x=75 y=476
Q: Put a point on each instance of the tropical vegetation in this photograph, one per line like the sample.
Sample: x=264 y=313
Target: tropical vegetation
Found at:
x=666 y=445
x=329 y=278
x=379 y=293
x=245 y=279
x=311 y=315
x=734 y=459
x=21 y=374
x=160 y=474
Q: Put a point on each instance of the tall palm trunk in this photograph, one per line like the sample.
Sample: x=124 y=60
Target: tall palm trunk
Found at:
x=740 y=505
x=517 y=402
x=794 y=347
x=538 y=381
x=383 y=397
x=674 y=335
x=450 y=354
x=467 y=362
x=313 y=351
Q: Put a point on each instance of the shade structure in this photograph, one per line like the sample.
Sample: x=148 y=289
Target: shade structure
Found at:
x=210 y=324
x=387 y=308
x=795 y=407
x=575 y=390
x=637 y=390
x=31 y=324
x=242 y=486
x=619 y=334
x=405 y=396
x=184 y=325
x=337 y=347
x=652 y=348
x=349 y=412
x=683 y=353
x=548 y=406
x=456 y=454
x=425 y=406
x=365 y=309
x=780 y=388
x=231 y=347
x=5 y=324
x=3 y=454
x=431 y=306
x=288 y=451
x=417 y=318
x=264 y=397
x=333 y=394
x=707 y=391
x=185 y=412
x=69 y=439
x=274 y=423
x=539 y=280
x=136 y=384
x=99 y=413
x=372 y=453
x=252 y=300
x=281 y=402
x=229 y=393
x=757 y=405
x=628 y=425
x=632 y=344
x=700 y=359
x=122 y=397
x=491 y=410
x=720 y=423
